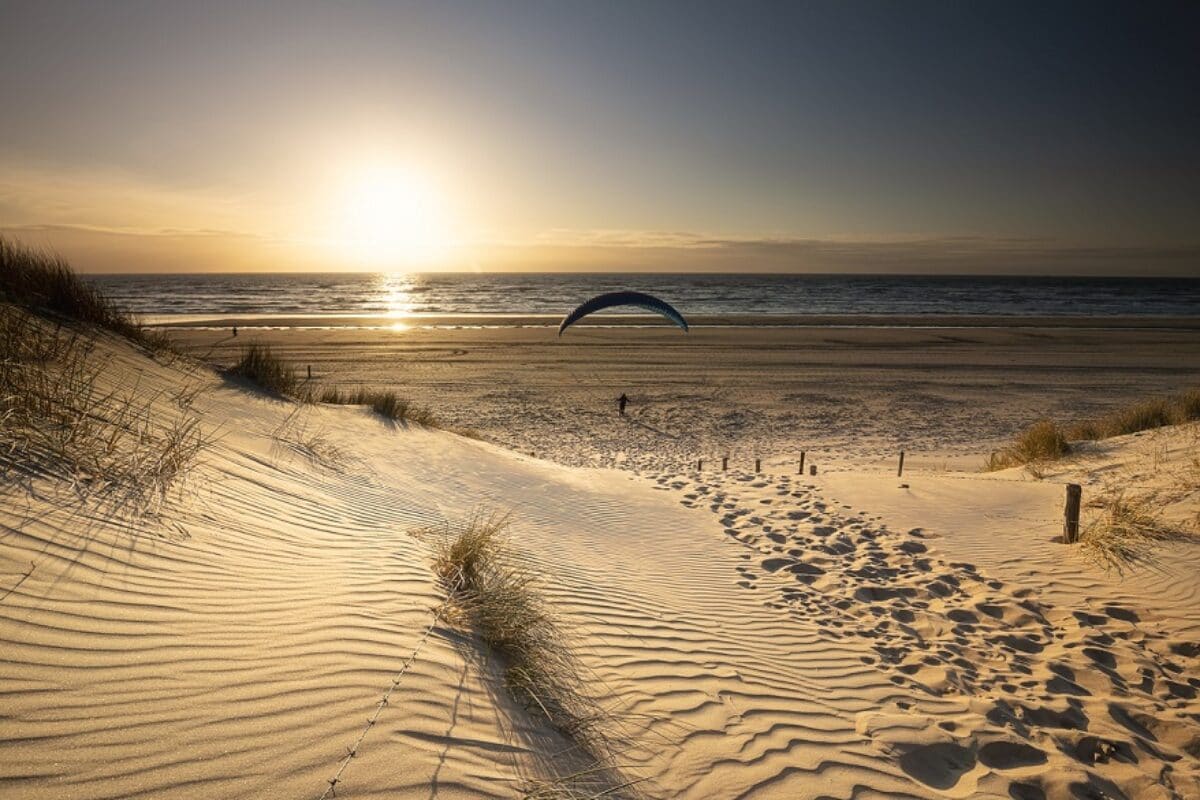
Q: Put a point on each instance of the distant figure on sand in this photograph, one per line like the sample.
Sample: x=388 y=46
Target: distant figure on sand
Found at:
x=622 y=401
x=235 y=331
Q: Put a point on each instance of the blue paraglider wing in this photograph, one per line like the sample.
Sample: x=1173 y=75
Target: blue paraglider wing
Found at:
x=603 y=301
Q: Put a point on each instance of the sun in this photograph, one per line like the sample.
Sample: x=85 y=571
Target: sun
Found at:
x=391 y=218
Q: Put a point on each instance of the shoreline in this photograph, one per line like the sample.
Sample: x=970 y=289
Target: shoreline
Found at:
x=500 y=320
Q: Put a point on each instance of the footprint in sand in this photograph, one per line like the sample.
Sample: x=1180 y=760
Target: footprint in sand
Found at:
x=930 y=634
x=939 y=766
x=1010 y=755
x=1026 y=791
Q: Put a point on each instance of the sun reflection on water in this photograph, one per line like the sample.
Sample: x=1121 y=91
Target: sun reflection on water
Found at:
x=396 y=296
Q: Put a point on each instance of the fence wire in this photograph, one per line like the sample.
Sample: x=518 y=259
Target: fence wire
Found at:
x=352 y=751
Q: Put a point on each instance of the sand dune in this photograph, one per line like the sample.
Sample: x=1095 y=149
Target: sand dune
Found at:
x=767 y=635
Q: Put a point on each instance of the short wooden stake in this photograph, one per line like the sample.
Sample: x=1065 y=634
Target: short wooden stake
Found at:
x=1071 y=513
x=900 y=471
x=802 y=454
x=757 y=466
x=310 y=372
x=699 y=464
x=812 y=469
x=724 y=463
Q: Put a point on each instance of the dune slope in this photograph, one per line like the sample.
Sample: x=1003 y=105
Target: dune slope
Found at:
x=752 y=635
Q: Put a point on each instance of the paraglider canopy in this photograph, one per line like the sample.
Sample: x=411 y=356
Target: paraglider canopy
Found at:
x=603 y=301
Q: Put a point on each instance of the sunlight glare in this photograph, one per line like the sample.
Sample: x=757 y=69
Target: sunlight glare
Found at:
x=393 y=219
x=395 y=291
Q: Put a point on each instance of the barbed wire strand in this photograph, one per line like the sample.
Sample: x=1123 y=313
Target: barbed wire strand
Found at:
x=331 y=789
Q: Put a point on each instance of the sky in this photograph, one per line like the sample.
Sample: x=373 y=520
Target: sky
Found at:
x=962 y=137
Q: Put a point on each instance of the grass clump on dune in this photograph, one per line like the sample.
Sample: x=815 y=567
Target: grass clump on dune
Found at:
x=45 y=284
x=386 y=403
x=497 y=597
x=1046 y=441
x=1146 y=415
x=63 y=417
x=261 y=366
x=1127 y=531
x=1042 y=441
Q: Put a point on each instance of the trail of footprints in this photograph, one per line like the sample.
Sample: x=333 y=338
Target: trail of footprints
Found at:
x=946 y=631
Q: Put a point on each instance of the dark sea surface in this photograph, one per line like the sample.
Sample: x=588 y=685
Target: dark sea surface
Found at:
x=556 y=293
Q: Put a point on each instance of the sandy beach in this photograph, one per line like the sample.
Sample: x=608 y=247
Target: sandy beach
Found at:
x=854 y=390
x=766 y=634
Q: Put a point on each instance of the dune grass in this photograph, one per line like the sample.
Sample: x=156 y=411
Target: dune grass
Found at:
x=384 y=402
x=62 y=417
x=1127 y=531
x=1043 y=441
x=1046 y=441
x=263 y=367
x=314 y=443
x=497 y=597
x=1145 y=415
x=259 y=365
x=45 y=284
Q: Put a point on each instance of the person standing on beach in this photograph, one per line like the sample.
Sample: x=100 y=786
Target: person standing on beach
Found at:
x=622 y=401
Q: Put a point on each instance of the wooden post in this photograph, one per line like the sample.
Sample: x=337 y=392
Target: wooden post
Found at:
x=1071 y=513
x=812 y=469
x=724 y=463
x=900 y=471
x=699 y=465
x=757 y=466
x=802 y=454
x=310 y=372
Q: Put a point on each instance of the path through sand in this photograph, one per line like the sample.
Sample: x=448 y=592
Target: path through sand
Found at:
x=755 y=636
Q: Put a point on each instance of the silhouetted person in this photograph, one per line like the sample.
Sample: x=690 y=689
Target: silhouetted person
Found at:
x=622 y=401
x=235 y=331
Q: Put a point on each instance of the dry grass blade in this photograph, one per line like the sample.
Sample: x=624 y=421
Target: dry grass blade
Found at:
x=61 y=418
x=1041 y=442
x=1156 y=412
x=386 y=403
x=261 y=366
x=1045 y=441
x=46 y=284
x=314 y=444
x=495 y=595
x=1127 y=532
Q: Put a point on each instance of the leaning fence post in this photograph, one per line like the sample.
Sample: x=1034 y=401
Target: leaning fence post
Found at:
x=900 y=470
x=1071 y=513
x=802 y=454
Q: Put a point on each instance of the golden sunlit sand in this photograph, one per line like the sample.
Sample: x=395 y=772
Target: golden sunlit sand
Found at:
x=290 y=615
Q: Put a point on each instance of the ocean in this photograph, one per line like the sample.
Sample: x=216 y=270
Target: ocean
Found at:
x=166 y=297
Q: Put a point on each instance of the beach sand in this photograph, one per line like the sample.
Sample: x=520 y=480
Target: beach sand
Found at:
x=767 y=634
x=856 y=393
